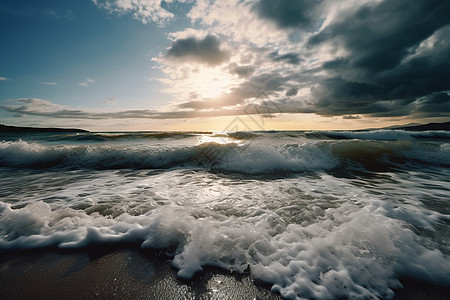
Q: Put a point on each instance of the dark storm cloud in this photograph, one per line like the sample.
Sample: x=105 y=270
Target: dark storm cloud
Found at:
x=291 y=58
x=380 y=36
x=292 y=92
x=339 y=97
x=205 y=50
x=351 y=117
x=394 y=60
x=267 y=83
x=394 y=92
x=289 y=13
x=241 y=71
x=397 y=52
x=431 y=104
x=428 y=71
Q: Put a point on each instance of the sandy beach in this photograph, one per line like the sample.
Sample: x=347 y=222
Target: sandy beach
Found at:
x=121 y=273
x=130 y=273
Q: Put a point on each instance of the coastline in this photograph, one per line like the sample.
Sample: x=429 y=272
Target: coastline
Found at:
x=130 y=273
x=12 y=129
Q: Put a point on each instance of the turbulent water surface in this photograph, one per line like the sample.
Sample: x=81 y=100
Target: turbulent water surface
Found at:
x=315 y=214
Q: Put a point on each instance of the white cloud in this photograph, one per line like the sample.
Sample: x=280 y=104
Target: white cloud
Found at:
x=87 y=82
x=3 y=78
x=143 y=10
x=49 y=83
x=236 y=19
x=33 y=104
x=110 y=101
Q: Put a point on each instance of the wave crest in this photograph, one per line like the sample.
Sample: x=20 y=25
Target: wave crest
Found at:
x=257 y=157
x=254 y=158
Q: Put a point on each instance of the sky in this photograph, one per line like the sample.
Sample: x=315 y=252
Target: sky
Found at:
x=120 y=65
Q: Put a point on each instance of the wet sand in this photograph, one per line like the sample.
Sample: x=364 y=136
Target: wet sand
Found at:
x=121 y=273
x=130 y=273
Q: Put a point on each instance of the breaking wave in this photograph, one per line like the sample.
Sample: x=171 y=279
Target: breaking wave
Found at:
x=250 y=158
x=232 y=157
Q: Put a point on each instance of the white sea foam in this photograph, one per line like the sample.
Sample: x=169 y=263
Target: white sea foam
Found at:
x=264 y=158
x=349 y=252
x=343 y=242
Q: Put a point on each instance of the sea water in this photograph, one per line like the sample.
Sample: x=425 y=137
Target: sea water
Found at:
x=323 y=215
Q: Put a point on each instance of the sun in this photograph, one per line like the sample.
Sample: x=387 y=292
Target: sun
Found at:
x=201 y=83
x=211 y=83
x=214 y=89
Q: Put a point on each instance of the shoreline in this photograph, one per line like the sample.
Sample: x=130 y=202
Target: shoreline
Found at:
x=116 y=272
x=129 y=273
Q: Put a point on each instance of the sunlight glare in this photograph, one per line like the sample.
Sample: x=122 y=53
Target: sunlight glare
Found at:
x=204 y=83
x=214 y=89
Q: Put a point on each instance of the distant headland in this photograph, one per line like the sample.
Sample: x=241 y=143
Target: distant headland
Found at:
x=6 y=128
x=425 y=127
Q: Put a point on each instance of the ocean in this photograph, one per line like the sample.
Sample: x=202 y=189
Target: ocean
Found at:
x=314 y=214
